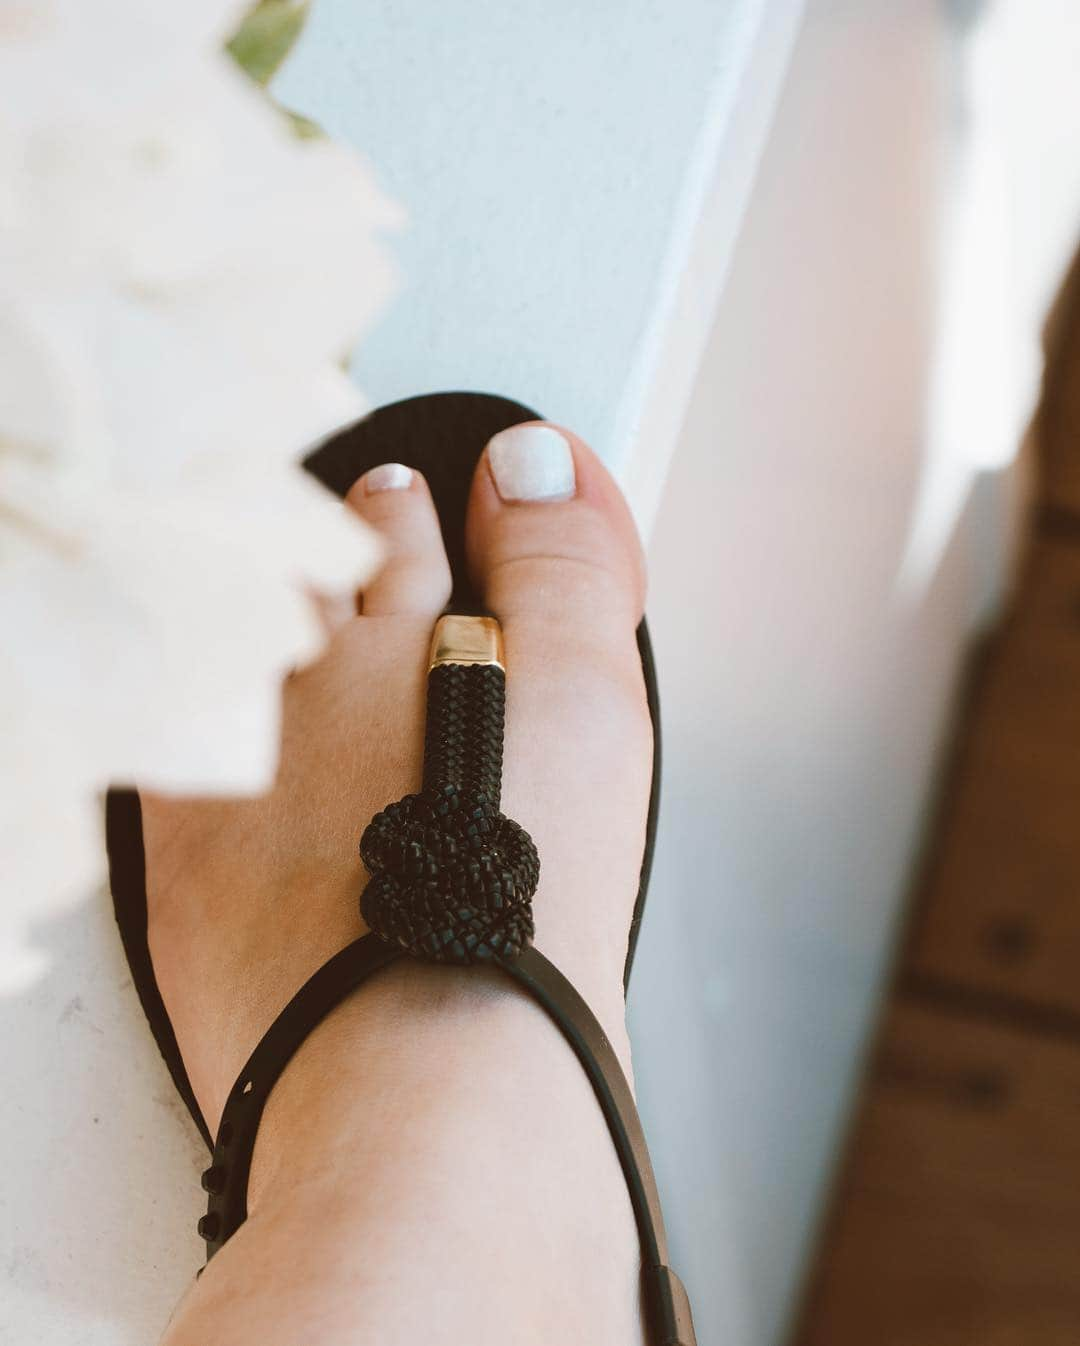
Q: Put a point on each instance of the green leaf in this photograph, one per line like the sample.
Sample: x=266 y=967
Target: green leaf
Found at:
x=303 y=127
x=266 y=36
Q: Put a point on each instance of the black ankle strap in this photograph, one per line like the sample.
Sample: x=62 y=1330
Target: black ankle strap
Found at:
x=666 y=1303
x=226 y=1180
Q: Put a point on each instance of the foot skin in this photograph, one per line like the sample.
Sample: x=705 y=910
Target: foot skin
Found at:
x=448 y=1077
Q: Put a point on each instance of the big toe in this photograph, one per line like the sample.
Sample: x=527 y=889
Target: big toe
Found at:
x=550 y=538
x=554 y=551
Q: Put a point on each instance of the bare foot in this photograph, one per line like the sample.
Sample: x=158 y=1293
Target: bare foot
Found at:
x=247 y=899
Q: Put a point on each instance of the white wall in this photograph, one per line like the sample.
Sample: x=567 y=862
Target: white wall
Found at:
x=842 y=513
x=804 y=691
x=552 y=160
x=843 y=510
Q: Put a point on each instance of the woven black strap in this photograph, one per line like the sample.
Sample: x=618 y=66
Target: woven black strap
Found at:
x=452 y=878
x=452 y=882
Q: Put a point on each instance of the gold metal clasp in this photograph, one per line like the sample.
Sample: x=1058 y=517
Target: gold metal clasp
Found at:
x=458 y=639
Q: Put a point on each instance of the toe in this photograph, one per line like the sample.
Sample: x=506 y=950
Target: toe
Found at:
x=415 y=575
x=550 y=536
x=555 y=553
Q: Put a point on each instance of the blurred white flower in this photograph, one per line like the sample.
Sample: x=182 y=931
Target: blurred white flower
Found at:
x=181 y=278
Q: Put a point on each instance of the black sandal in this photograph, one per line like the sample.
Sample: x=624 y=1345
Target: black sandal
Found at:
x=452 y=878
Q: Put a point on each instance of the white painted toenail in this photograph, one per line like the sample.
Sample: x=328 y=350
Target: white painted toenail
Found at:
x=388 y=477
x=531 y=462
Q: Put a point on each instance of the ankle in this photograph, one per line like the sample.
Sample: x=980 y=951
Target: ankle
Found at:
x=413 y=1052
x=435 y=1123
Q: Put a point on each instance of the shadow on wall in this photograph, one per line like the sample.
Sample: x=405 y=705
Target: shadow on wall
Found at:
x=101 y=1189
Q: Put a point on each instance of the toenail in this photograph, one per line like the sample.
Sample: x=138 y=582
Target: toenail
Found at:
x=388 y=477
x=531 y=462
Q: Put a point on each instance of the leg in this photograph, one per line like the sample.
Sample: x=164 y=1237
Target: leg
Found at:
x=432 y=1166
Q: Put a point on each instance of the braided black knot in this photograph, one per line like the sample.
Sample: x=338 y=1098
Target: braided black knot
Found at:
x=452 y=878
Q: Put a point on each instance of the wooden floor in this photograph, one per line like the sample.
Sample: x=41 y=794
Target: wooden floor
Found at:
x=956 y=1217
